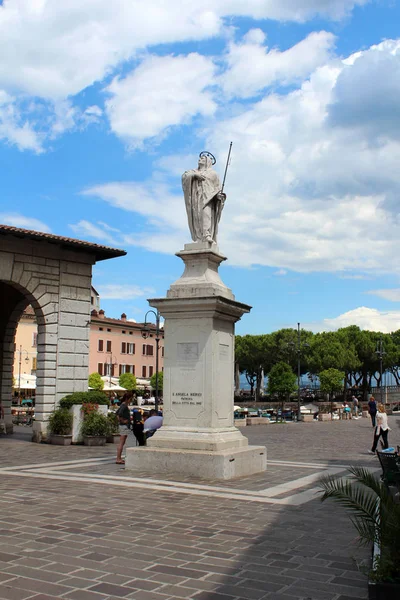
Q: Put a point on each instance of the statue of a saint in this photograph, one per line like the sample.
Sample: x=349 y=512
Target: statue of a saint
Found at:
x=204 y=199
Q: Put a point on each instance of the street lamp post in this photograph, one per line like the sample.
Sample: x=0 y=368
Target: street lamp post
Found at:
x=380 y=352
x=20 y=351
x=299 y=348
x=111 y=364
x=145 y=334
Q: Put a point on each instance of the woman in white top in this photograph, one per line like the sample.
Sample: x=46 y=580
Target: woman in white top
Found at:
x=381 y=429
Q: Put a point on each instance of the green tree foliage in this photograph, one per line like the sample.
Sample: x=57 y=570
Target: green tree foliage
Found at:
x=281 y=380
x=331 y=381
x=394 y=367
x=95 y=382
x=160 y=381
x=285 y=348
x=127 y=381
x=350 y=350
x=252 y=353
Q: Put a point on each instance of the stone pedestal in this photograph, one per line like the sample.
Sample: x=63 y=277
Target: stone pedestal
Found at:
x=198 y=436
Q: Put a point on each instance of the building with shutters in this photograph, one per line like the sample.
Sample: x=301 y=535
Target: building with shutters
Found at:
x=117 y=346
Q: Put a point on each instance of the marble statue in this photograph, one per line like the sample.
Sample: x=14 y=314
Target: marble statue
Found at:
x=204 y=199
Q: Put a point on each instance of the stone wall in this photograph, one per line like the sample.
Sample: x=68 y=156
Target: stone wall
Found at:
x=56 y=281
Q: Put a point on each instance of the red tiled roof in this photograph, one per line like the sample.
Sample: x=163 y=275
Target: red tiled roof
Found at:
x=120 y=322
x=101 y=252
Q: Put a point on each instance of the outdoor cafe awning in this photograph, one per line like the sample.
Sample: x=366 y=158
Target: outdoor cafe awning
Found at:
x=25 y=382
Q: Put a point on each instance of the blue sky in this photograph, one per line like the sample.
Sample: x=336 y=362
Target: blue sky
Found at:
x=104 y=105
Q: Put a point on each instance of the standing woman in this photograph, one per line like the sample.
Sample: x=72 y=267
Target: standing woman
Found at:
x=381 y=429
x=124 y=418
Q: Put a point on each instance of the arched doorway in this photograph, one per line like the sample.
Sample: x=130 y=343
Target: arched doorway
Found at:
x=54 y=275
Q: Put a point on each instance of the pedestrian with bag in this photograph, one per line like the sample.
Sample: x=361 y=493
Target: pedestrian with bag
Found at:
x=372 y=409
x=124 y=418
x=355 y=406
x=382 y=429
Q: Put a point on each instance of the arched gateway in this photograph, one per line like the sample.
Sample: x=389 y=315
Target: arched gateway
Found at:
x=54 y=275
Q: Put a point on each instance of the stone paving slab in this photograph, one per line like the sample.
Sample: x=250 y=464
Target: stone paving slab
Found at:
x=85 y=540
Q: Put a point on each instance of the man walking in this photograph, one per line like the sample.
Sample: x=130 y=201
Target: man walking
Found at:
x=372 y=409
x=355 y=406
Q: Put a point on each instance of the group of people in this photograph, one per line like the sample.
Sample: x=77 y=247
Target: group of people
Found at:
x=142 y=427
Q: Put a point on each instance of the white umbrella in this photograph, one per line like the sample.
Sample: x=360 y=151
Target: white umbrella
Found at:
x=113 y=388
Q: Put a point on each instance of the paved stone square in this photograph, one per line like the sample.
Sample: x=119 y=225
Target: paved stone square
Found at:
x=75 y=525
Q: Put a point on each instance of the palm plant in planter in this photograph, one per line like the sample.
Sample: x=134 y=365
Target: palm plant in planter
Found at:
x=113 y=428
x=376 y=517
x=94 y=429
x=60 y=427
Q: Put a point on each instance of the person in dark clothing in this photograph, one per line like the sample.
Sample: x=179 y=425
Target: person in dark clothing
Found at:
x=372 y=409
x=137 y=428
x=124 y=418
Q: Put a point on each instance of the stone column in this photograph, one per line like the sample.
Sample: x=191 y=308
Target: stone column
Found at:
x=198 y=436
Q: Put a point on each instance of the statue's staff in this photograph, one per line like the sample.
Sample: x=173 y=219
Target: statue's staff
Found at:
x=226 y=166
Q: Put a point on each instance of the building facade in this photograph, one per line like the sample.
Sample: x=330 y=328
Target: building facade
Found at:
x=25 y=354
x=117 y=346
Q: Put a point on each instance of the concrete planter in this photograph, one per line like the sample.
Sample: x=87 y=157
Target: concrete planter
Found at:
x=256 y=420
x=94 y=440
x=113 y=439
x=78 y=418
x=240 y=422
x=60 y=440
x=324 y=417
x=307 y=418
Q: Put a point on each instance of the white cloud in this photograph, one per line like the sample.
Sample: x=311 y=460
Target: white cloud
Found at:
x=280 y=272
x=161 y=92
x=86 y=229
x=366 y=318
x=355 y=276
x=14 y=127
x=24 y=222
x=122 y=292
x=152 y=200
x=393 y=295
x=252 y=66
x=304 y=194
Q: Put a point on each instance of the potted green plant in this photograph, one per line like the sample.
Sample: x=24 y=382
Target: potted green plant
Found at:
x=113 y=435
x=94 y=429
x=60 y=427
x=376 y=516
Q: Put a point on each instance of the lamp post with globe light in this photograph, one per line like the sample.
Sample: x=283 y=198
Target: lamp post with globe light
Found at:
x=380 y=352
x=20 y=352
x=145 y=331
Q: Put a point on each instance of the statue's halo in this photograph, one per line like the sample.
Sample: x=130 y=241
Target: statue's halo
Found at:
x=209 y=155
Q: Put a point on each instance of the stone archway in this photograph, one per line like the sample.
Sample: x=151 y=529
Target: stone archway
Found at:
x=53 y=274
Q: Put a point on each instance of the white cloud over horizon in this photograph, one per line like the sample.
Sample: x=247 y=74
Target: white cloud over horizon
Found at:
x=365 y=318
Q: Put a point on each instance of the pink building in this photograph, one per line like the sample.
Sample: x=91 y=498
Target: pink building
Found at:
x=117 y=346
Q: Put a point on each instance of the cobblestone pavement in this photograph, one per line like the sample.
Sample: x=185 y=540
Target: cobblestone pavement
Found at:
x=75 y=525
